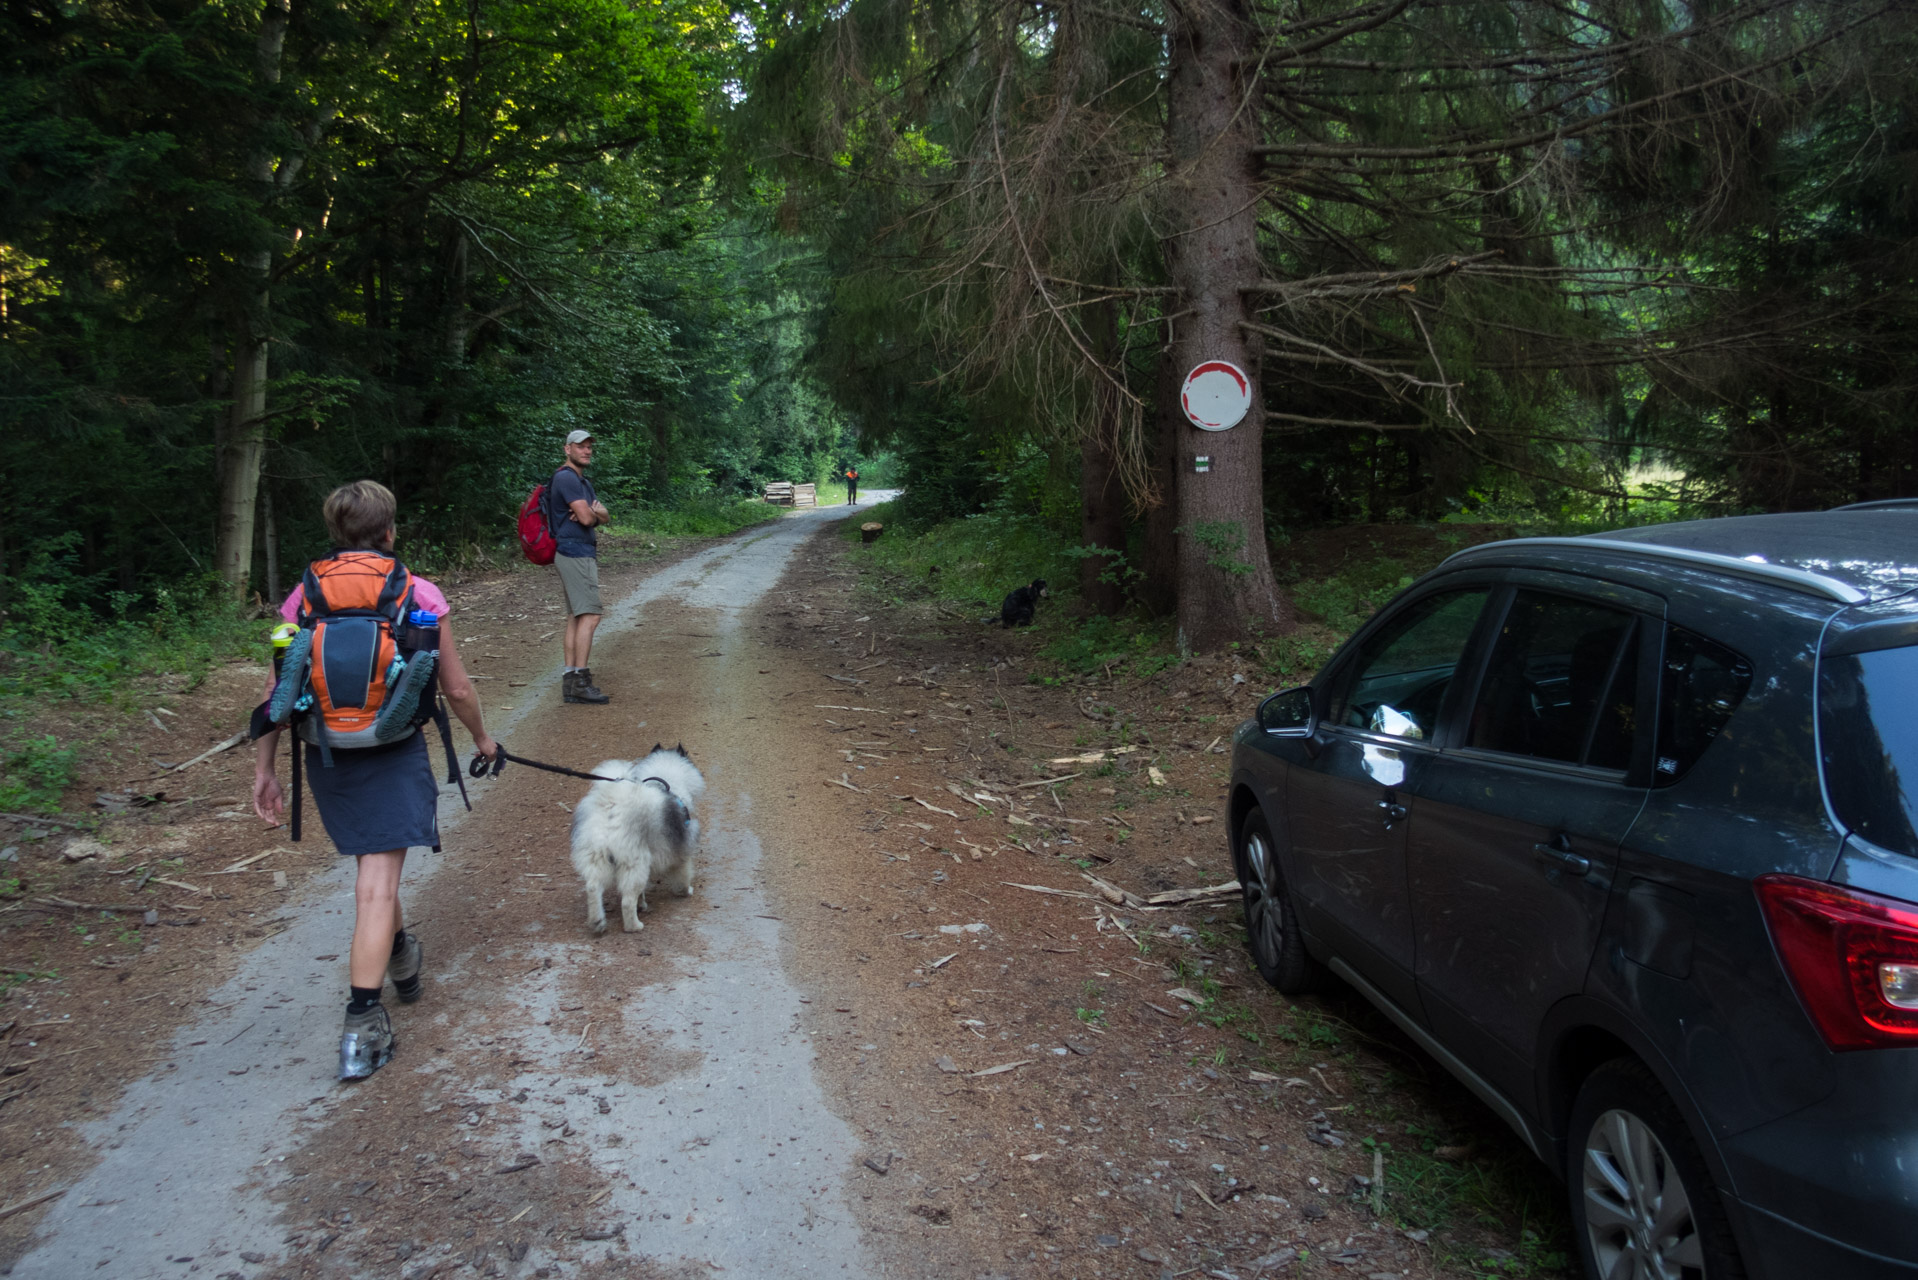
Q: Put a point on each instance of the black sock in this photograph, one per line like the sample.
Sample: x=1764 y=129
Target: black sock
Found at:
x=399 y=942
x=364 y=998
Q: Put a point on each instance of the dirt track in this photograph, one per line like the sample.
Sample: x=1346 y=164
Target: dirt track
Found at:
x=777 y=1076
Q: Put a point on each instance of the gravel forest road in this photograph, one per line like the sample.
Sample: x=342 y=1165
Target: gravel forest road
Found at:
x=638 y=1104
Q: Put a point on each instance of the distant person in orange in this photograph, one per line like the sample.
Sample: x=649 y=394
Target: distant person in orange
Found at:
x=852 y=487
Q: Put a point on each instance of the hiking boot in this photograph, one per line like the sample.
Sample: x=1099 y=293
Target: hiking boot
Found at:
x=568 y=682
x=404 y=969
x=366 y=1043
x=584 y=690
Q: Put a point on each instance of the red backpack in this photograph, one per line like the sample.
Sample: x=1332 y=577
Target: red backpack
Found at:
x=536 y=540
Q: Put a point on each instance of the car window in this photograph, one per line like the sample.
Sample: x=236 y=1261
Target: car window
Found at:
x=1562 y=683
x=1701 y=684
x=1868 y=736
x=1398 y=680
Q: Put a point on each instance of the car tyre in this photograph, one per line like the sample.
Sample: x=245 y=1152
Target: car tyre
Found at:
x=1643 y=1203
x=1271 y=924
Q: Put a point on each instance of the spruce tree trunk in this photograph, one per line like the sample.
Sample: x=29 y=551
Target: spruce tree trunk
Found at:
x=1101 y=494
x=1224 y=572
x=240 y=445
x=270 y=541
x=1160 y=590
x=661 y=423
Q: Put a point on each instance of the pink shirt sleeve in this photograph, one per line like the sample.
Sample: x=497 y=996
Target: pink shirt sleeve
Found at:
x=425 y=596
x=428 y=596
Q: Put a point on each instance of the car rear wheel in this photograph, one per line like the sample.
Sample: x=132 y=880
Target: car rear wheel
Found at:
x=1271 y=925
x=1643 y=1205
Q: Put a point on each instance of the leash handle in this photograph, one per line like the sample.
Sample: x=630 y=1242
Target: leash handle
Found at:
x=481 y=766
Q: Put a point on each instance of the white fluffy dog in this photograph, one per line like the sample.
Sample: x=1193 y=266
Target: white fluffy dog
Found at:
x=633 y=828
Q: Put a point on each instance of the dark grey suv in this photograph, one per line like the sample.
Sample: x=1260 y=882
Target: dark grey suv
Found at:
x=1619 y=828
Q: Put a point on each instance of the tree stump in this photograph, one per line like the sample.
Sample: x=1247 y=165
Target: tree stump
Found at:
x=870 y=531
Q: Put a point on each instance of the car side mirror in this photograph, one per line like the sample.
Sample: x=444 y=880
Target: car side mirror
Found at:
x=1290 y=713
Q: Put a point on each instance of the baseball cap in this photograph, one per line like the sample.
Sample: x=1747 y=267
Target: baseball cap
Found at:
x=578 y=437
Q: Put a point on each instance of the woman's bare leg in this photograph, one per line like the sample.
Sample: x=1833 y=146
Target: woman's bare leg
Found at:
x=376 y=902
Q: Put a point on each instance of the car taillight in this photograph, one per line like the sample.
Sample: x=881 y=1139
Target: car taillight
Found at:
x=1852 y=956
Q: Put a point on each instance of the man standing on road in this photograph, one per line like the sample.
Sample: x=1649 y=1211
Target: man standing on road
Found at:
x=852 y=487
x=577 y=513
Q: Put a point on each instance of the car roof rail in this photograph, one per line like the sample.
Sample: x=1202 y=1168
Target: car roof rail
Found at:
x=1880 y=504
x=1777 y=575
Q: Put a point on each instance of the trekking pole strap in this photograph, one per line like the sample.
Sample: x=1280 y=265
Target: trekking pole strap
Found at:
x=299 y=750
x=445 y=724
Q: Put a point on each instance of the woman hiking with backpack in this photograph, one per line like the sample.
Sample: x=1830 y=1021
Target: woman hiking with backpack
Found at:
x=364 y=616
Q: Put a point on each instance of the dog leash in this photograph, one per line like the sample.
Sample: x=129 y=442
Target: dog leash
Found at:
x=481 y=767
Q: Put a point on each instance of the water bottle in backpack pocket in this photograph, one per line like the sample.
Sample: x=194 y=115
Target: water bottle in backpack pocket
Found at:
x=412 y=677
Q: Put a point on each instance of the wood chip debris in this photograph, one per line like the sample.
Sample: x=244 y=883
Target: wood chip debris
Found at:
x=19 y=1206
x=1002 y=1068
x=241 y=865
x=1093 y=757
x=1157 y=778
x=927 y=805
x=1202 y=1195
x=190 y=888
x=208 y=754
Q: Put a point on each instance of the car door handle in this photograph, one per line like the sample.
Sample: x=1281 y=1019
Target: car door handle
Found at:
x=1392 y=811
x=1572 y=862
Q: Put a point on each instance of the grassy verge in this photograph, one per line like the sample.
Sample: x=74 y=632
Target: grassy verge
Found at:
x=53 y=676
x=972 y=562
x=703 y=517
x=1454 y=1175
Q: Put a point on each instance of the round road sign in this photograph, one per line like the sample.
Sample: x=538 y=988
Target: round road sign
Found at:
x=1216 y=395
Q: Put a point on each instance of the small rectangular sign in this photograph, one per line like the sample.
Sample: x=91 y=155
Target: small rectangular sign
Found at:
x=1202 y=463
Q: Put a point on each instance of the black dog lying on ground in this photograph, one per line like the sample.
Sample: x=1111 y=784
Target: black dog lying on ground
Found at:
x=1019 y=606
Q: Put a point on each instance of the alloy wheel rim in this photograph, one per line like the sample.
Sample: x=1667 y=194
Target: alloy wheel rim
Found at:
x=1265 y=920
x=1638 y=1212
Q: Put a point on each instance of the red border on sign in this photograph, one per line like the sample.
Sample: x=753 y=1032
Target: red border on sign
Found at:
x=1212 y=366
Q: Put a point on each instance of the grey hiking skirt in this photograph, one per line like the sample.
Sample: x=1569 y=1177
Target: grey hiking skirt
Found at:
x=378 y=798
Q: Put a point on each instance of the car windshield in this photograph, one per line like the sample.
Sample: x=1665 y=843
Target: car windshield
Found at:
x=1868 y=737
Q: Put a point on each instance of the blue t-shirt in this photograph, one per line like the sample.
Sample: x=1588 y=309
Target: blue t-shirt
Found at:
x=574 y=539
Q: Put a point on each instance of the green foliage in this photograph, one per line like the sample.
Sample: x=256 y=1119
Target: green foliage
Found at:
x=1346 y=599
x=975 y=559
x=34 y=775
x=53 y=645
x=492 y=224
x=1134 y=646
x=1224 y=541
x=1499 y=1188
x=711 y=515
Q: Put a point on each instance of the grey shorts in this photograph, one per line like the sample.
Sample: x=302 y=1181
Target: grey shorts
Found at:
x=580 y=576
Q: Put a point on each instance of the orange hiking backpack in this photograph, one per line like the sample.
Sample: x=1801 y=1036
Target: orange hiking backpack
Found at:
x=353 y=655
x=363 y=669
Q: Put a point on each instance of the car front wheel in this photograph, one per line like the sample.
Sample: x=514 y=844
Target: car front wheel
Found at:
x=1271 y=924
x=1643 y=1205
